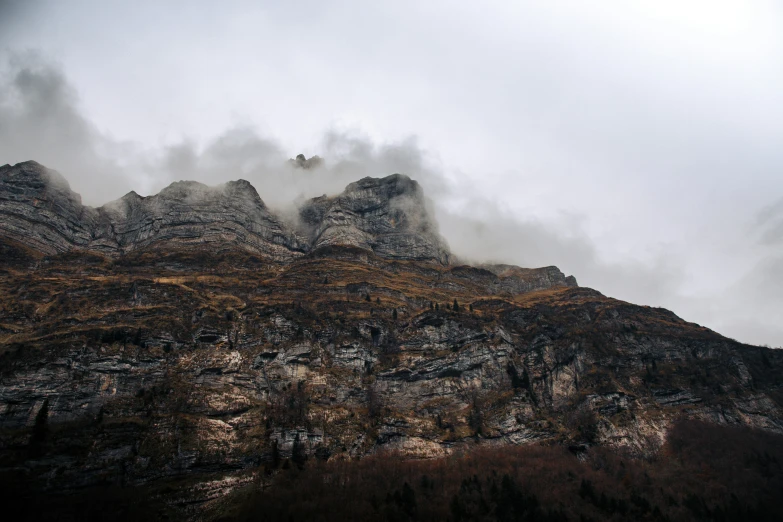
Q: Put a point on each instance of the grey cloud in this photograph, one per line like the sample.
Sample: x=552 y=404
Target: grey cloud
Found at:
x=770 y=224
x=773 y=235
x=752 y=308
x=484 y=233
x=40 y=119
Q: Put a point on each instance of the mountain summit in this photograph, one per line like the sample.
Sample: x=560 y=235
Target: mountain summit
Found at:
x=387 y=216
x=196 y=345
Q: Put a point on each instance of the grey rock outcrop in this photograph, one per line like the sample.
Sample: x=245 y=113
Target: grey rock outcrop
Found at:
x=508 y=279
x=387 y=215
x=189 y=212
x=516 y=280
x=40 y=210
x=302 y=162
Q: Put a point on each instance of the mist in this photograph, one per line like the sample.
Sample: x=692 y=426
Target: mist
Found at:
x=633 y=146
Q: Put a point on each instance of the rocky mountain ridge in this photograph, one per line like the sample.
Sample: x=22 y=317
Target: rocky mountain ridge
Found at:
x=385 y=215
x=195 y=363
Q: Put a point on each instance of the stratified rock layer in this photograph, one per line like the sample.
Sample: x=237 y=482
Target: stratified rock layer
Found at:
x=387 y=216
x=38 y=208
x=192 y=213
x=192 y=369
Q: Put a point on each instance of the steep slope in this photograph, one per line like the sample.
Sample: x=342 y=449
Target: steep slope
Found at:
x=387 y=217
x=221 y=341
x=194 y=368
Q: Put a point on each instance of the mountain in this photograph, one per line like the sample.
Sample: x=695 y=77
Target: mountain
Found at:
x=387 y=216
x=190 y=341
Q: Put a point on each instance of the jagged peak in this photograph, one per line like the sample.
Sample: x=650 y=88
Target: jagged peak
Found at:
x=398 y=183
x=39 y=180
x=302 y=162
x=132 y=195
x=184 y=188
x=30 y=167
x=242 y=187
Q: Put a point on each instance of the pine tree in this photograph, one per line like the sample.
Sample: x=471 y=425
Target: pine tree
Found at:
x=455 y=307
x=394 y=314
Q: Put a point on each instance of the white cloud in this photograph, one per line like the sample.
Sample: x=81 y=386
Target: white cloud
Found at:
x=634 y=143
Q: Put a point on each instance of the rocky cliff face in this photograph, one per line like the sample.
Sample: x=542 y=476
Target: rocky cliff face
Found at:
x=191 y=370
x=387 y=216
x=41 y=211
x=191 y=362
x=187 y=212
x=39 y=208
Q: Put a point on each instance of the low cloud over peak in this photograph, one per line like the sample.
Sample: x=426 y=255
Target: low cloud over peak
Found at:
x=42 y=117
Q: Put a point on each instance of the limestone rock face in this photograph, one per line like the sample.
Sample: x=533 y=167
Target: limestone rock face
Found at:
x=191 y=338
x=508 y=279
x=516 y=280
x=40 y=210
x=387 y=215
x=188 y=212
x=175 y=373
x=386 y=218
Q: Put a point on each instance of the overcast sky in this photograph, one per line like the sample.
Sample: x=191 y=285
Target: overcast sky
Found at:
x=636 y=145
